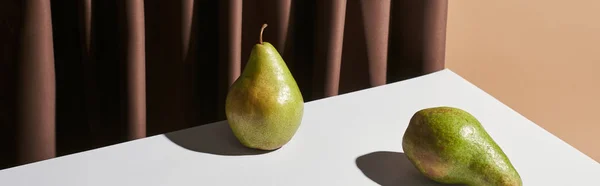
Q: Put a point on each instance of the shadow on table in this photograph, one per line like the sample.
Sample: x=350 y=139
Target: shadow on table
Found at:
x=391 y=168
x=215 y=138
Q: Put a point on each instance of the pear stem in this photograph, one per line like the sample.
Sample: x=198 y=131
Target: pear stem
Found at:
x=261 y=33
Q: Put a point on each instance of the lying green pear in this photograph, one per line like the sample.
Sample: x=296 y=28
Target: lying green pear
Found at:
x=264 y=106
x=450 y=146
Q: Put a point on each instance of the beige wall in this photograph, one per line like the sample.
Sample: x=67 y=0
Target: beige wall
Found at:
x=540 y=57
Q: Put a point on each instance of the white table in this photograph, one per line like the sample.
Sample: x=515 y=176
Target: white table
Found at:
x=351 y=139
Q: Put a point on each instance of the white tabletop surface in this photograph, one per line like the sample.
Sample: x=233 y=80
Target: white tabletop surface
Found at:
x=351 y=139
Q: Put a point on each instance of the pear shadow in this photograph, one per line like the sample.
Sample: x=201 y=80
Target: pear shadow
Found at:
x=392 y=168
x=215 y=138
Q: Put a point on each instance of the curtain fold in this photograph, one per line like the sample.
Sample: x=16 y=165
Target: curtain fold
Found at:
x=234 y=39
x=136 y=69
x=376 y=18
x=434 y=21
x=81 y=74
x=36 y=82
x=331 y=17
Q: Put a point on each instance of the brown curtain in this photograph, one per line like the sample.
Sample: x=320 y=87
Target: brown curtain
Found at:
x=82 y=74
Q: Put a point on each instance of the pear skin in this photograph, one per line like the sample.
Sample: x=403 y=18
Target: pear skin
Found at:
x=450 y=146
x=264 y=106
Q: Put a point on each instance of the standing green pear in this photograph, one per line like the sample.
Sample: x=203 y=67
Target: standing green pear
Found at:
x=450 y=146
x=264 y=106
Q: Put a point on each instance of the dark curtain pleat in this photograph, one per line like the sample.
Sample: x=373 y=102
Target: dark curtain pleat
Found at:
x=406 y=40
x=72 y=130
x=230 y=48
x=409 y=55
x=354 y=73
x=105 y=74
x=82 y=74
x=91 y=95
x=331 y=15
x=37 y=96
x=207 y=77
x=435 y=15
x=11 y=20
x=299 y=48
x=89 y=83
x=166 y=74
